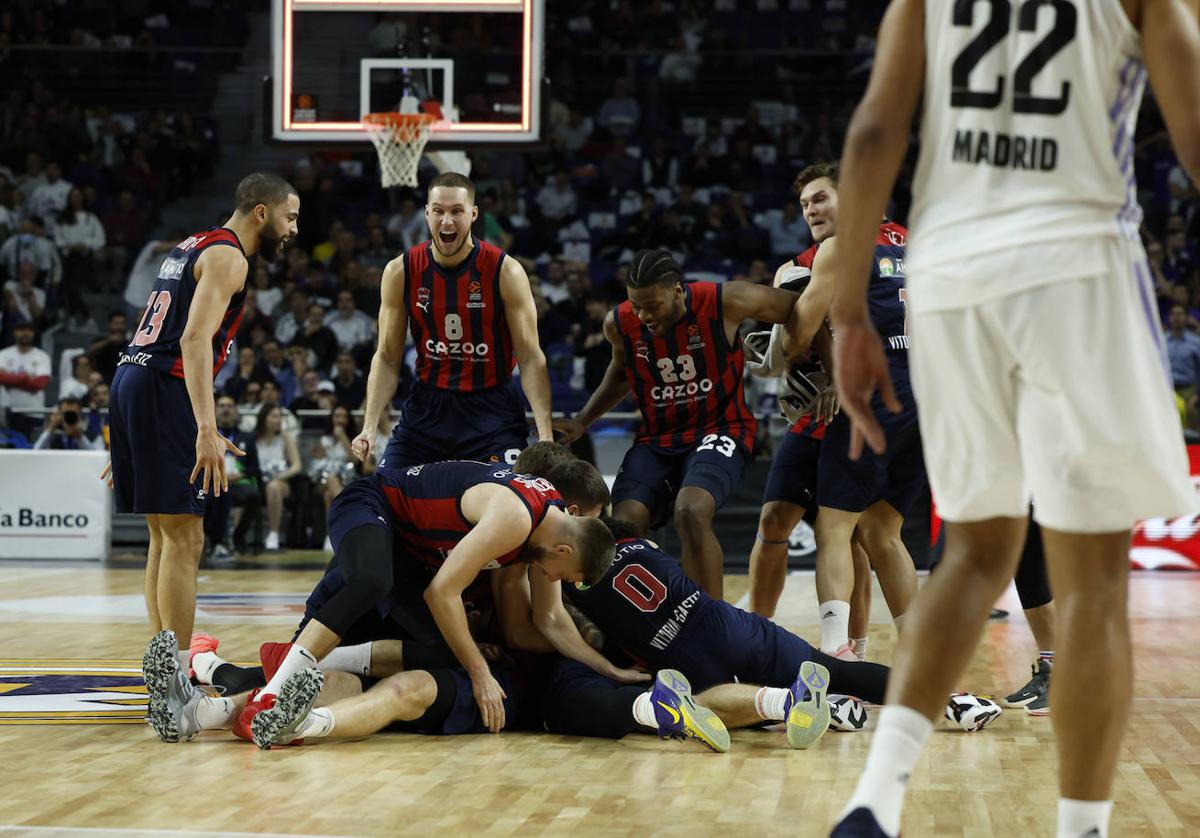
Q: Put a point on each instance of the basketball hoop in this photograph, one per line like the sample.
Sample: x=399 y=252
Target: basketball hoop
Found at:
x=399 y=139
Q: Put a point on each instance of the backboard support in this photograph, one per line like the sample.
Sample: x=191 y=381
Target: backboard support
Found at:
x=329 y=69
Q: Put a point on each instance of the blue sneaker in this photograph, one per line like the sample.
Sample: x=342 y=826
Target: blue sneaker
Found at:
x=680 y=717
x=806 y=706
x=860 y=823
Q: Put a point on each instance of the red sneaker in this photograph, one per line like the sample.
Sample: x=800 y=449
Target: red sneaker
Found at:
x=201 y=642
x=271 y=655
x=255 y=704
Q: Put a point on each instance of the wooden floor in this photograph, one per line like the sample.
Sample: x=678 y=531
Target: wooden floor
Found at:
x=78 y=761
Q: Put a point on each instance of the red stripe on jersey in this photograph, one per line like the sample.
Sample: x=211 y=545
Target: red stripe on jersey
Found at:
x=689 y=383
x=805 y=258
x=457 y=319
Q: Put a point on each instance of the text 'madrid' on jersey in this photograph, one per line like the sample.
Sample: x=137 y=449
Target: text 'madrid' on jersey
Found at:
x=155 y=344
x=1027 y=146
x=426 y=504
x=456 y=316
x=689 y=383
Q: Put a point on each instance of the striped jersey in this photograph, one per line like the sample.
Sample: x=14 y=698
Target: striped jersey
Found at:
x=456 y=317
x=155 y=343
x=425 y=503
x=688 y=385
x=1027 y=146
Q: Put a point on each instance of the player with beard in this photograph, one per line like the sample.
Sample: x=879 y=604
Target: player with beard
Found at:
x=471 y=313
x=163 y=421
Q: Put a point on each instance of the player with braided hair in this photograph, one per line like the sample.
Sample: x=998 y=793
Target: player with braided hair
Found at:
x=676 y=348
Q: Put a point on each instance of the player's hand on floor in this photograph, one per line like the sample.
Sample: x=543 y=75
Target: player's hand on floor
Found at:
x=106 y=475
x=567 y=431
x=860 y=368
x=489 y=695
x=363 y=445
x=630 y=676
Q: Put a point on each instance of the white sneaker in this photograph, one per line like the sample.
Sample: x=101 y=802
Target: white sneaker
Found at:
x=272 y=542
x=846 y=713
x=328 y=548
x=802 y=540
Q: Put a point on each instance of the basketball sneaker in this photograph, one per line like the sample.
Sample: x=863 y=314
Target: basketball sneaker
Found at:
x=971 y=712
x=860 y=823
x=1040 y=706
x=271 y=655
x=173 y=698
x=256 y=703
x=277 y=725
x=806 y=707
x=1037 y=689
x=201 y=642
x=848 y=653
x=846 y=713
x=680 y=717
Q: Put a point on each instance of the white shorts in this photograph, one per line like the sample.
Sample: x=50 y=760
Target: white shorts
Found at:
x=1059 y=394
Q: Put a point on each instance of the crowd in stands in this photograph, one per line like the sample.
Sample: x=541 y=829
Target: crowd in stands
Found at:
x=644 y=163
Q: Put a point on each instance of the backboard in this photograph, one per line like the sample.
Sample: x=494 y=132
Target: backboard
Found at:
x=336 y=60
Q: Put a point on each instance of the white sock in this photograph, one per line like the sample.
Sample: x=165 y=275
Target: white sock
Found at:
x=297 y=658
x=643 y=711
x=205 y=664
x=898 y=622
x=769 y=702
x=355 y=659
x=860 y=647
x=214 y=712
x=835 y=625
x=318 y=722
x=895 y=748
x=185 y=660
x=1078 y=818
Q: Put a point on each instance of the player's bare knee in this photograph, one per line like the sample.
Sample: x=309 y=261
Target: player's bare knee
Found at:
x=414 y=691
x=778 y=519
x=693 y=515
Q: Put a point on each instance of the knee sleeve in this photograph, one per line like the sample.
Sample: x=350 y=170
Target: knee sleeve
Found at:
x=365 y=561
x=866 y=681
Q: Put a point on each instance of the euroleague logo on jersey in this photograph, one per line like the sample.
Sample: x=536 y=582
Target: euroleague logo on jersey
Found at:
x=695 y=341
x=475 y=295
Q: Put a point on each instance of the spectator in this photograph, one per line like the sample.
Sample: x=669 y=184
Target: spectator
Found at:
x=408 y=225
x=331 y=461
x=307 y=400
x=1179 y=263
x=366 y=292
x=245 y=488
x=79 y=237
x=124 y=228
x=377 y=253
x=97 y=412
x=679 y=67
x=267 y=298
x=106 y=352
x=24 y=376
x=247 y=370
x=22 y=299
x=33 y=176
x=77 y=385
x=590 y=343
x=620 y=168
x=1183 y=350
x=552 y=326
x=50 y=199
x=289 y=325
x=351 y=327
x=318 y=337
x=277 y=366
x=66 y=429
x=660 y=168
x=789 y=233
x=30 y=243
x=557 y=200
x=619 y=113
x=488 y=226
x=249 y=404
x=279 y=459
x=554 y=286
x=348 y=384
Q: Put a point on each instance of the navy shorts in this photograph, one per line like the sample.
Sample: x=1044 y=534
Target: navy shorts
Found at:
x=727 y=642
x=438 y=425
x=896 y=476
x=361 y=504
x=152 y=436
x=454 y=686
x=793 y=474
x=579 y=701
x=653 y=475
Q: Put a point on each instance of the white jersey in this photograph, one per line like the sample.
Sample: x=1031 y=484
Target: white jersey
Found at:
x=1026 y=146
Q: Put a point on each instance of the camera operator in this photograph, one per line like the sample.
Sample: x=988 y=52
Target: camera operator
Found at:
x=66 y=429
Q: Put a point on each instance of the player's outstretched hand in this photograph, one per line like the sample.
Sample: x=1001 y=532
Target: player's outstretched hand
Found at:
x=630 y=676
x=363 y=445
x=489 y=695
x=567 y=431
x=106 y=475
x=859 y=369
x=210 y=461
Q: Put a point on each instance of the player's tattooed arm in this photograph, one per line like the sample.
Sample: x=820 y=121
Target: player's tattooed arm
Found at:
x=389 y=355
x=613 y=387
x=521 y=314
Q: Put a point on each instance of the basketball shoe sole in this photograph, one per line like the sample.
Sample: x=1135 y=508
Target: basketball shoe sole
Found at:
x=808 y=716
x=277 y=726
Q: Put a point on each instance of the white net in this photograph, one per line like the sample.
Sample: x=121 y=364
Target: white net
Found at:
x=399 y=139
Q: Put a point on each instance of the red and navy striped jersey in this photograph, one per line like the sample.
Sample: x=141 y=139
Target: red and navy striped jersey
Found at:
x=688 y=385
x=425 y=504
x=807 y=425
x=456 y=317
x=644 y=602
x=155 y=344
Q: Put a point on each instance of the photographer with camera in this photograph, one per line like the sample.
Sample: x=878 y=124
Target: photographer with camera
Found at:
x=66 y=429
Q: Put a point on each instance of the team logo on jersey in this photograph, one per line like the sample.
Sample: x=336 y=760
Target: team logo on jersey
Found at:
x=894 y=237
x=475 y=295
x=695 y=341
x=71 y=692
x=641 y=350
x=423 y=299
x=414 y=471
